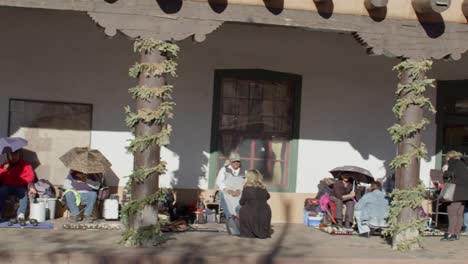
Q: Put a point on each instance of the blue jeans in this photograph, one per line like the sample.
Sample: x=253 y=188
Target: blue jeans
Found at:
x=20 y=192
x=465 y=219
x=88 y=198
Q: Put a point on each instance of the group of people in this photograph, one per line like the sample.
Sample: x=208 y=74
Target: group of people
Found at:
x=17 y=178
x=371 y=209
x=243 y=196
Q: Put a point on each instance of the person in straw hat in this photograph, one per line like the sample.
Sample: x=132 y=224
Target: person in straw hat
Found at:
x=80 y=188
x=457 y=173
x=230 y=182
x=86 y=169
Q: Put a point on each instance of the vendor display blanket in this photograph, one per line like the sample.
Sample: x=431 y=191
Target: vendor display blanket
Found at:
x=437 y=232
x=44 y=225
x=336 y=231
x=84 y=226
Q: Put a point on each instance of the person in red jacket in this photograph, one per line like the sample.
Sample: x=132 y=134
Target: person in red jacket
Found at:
x=15 y=176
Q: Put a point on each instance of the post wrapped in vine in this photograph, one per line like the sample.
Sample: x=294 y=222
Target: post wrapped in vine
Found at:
x=149 y=125
x=405 y=225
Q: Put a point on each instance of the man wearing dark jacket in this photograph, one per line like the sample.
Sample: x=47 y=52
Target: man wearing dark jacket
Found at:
x=342 y=195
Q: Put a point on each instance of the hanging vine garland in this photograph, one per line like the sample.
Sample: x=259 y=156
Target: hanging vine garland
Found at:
x=142 y=142
x=411 y=94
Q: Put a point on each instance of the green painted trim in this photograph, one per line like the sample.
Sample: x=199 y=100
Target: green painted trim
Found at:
x=294 y=143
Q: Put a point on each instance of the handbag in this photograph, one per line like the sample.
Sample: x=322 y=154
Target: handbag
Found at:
x=103 y=193
x=448 y=192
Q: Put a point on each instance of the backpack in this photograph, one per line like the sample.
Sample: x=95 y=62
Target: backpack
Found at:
x=312 y=205
x=44 y=189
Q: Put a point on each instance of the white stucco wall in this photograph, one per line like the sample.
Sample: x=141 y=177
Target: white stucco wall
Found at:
x=346 y=95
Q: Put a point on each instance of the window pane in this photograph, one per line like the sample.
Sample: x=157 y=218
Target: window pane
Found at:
x=256 y=124
x=244 y=149
x=228 y=122
x=255 y=90
x=244 y=90
x=456 y=135
x=230 y=106
x=228 y=144
x=229 y=88
x=269 y=91
x=268 y=123
x=281 y=109
x=267 y=108
x=282 y=125
x=461 y=106
x=261 y=149
x=282 y=91
x=244 y=107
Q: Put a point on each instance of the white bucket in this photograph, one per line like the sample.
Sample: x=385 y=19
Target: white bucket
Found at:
x=37 y=211
x=111 y=209
x=50 y=204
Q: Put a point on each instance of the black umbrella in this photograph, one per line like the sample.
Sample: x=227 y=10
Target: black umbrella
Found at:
x=357 y=173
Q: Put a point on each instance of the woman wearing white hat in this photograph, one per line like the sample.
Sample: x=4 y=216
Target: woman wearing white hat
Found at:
x=230 y=182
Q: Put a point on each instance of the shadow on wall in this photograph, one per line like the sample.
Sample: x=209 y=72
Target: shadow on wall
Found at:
x=339 y=106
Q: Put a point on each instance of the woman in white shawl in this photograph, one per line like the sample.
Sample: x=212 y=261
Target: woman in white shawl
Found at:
x=230 y=182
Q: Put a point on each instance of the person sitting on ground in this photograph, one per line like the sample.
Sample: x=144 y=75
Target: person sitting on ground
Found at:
x=342 y=195
x=325 y=186
x=255 y=213
x=80 y=188
x=16 y=175
x=372 y=208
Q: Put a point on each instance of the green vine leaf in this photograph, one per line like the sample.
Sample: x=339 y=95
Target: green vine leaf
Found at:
x=403 y=160
x=403 y=103
x=147 y=93
x=148 y=233
x=418 y=87
x=140 y=175
x=149 y=116
x=405 y=199
x=399 y=132
x=143 y=142
x=150 y=45
x=415 y=68
x=153 y=69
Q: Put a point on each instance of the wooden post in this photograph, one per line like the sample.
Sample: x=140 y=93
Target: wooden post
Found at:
x=465 y=8
x=372 y=4
x=408 y=177
x=431 y=6
x=150 y=157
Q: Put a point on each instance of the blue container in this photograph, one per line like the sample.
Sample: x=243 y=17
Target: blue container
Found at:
x=314 y=221
x=305 y=217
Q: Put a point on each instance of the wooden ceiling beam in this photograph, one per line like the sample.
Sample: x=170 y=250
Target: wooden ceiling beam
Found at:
x=465 y=8
x=373 y=4
x=430 y=6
